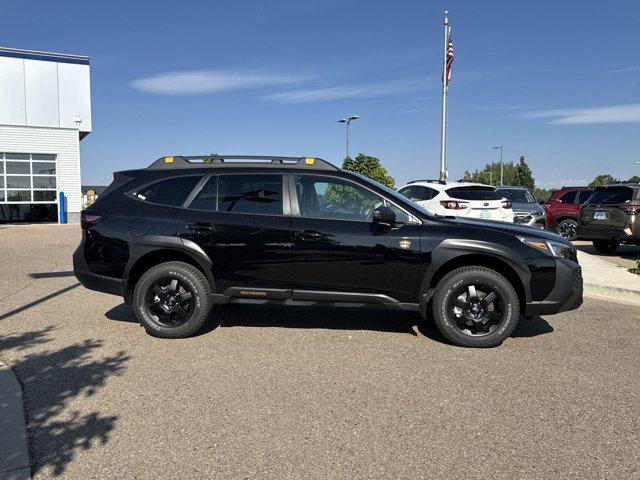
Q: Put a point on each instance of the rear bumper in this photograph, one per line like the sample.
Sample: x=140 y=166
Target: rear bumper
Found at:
x=606 y=233
x=566 y=294
x=91 y=280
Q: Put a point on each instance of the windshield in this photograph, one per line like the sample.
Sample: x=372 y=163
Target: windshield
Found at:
x=474 y=193
x=402 y=200
x=516 y=195
x=611 y=195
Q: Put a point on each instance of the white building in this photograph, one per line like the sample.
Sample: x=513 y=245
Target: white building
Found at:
x=45 y=110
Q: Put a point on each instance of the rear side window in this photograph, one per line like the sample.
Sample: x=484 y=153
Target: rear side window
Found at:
x=257 y=194
x=171 y=191
x=569 y=197
x=207 y=198
x=474 y=193
x=611 y=195
x=419 y=193
x=583 y=196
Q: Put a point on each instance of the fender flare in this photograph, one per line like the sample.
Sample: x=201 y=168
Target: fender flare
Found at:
x=450 y=249
x=151 y=243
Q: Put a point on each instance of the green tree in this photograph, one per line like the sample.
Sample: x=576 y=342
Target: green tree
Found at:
x=541 y=194
x=634 y=179
x=603 y=179
x=523 y=176
x=493 y=167
x=369 y=167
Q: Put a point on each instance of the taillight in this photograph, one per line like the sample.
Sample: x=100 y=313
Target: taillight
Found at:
x=631 y=209
x=453 y=204
x=88 y=219
x=507 y=204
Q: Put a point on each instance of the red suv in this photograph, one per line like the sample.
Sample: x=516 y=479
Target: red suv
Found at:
x=563 y=209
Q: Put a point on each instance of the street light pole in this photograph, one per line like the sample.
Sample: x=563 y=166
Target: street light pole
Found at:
x=347 y=121
x=501 y=165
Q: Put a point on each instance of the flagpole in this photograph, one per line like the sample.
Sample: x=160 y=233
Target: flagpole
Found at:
x=443 y=138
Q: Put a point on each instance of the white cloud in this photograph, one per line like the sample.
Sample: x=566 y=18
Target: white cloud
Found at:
x=633 y=68
x=569 y=182
x=338 y=92
x=207 y=81
x=629 y=113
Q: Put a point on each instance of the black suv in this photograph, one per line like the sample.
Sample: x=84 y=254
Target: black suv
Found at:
x=611 y=216
x=190 y=232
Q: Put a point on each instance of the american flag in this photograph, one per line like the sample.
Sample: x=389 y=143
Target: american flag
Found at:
x=449 y=58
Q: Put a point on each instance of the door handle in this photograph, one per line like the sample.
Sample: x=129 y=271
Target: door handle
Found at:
x=200 y=227
x=310 y=235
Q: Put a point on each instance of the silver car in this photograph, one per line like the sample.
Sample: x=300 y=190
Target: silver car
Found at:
x=526 y=209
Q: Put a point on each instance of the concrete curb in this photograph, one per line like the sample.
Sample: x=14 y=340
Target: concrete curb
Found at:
x=14 y=452
x=608 y=281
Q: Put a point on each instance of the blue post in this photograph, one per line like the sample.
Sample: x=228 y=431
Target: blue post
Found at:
x=62 y=204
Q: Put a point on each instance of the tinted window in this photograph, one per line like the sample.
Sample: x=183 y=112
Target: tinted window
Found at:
x=18 y=182
x=44 y=182
x=258 y=194
x=583 y=196
x=172 y=191
x=21 y=168
x=44 y=196
x=569 y=197
x=418 y=193
x=611 y=195
x=44 y=168
x=333 y=198
x=516 y=195
x=474 y=193
x=206 y=198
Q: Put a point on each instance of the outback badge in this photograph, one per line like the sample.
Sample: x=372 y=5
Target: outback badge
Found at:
x=405 y=243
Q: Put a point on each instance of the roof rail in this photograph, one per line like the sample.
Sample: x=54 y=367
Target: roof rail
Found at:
x=215 y=160
x=430 y=180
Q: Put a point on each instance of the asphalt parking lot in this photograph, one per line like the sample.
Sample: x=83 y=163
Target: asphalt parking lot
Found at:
x=625 y=256
x=308 y=392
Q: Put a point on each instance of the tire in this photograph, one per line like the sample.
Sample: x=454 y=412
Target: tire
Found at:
x=606 y=246
x=462 y=326
x=172 y=310
x=568 y=228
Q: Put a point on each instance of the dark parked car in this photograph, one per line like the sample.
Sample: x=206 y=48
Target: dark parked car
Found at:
x=526 y=209
x=190 y=232
x=563 y=208
x=611 y=216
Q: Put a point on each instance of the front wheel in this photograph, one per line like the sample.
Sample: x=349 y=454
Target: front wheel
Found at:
x=172 y=300
x=606 y=246
x=568 y=229
x=475 y=307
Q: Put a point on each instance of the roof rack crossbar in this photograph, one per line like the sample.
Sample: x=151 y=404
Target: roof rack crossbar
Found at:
x=204 y=161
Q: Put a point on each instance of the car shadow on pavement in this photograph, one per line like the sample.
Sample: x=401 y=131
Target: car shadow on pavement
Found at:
x=52 y=381
x=332 y=318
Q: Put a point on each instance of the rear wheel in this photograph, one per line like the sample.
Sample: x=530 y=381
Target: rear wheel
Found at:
x=475 y=307
x=606 y=246
x=568 y=228
x=172 y=300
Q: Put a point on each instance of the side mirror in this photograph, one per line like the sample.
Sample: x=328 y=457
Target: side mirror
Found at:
x=383 y=215
x=540 y=202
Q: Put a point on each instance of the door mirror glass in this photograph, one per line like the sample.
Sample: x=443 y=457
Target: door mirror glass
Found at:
x=384 y=216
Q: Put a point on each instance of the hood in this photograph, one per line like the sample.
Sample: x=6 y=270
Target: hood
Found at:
x=527 y=207
x=510 y=228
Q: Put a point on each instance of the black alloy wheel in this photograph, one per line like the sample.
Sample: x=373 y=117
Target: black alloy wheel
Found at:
x=568 y=229
x=170 y=301
x=476 y=309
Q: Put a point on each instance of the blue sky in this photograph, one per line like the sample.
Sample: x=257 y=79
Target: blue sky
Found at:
x=556 y=81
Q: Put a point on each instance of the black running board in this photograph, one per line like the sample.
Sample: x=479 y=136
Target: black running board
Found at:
x=261 y=296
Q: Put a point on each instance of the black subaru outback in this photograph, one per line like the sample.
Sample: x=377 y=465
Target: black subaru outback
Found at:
x=190 y=232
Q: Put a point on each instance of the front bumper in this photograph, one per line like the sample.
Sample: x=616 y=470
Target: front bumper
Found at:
x=618 y=234
x=566 y=294
x=529 y=220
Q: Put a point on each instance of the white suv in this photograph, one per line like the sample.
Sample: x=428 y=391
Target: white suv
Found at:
x=459 y=199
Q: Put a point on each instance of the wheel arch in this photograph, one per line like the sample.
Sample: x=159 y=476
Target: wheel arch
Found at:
x=564 y=216
x=148 y=256
x=448 y=259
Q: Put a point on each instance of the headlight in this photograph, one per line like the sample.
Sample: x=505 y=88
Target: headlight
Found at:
x=538 y=213
x=555 y=249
